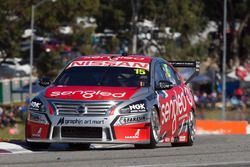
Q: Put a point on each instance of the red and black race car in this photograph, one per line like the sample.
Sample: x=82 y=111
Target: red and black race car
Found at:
x=134 y=99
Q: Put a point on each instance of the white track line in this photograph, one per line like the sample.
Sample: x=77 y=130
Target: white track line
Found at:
x=110 y=146
x=193 y=164
x=13 y=148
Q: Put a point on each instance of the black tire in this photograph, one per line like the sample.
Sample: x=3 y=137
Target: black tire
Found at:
x=79 y=146
x=191 y=131
x=37 y=145
x=154 y=131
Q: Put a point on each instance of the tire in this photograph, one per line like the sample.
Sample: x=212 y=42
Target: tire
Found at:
x=154 y=131
x=37 y=145
x=191 y=131
x=79 y=146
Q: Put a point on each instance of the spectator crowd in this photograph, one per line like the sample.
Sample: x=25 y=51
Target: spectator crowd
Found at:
x=10 y=115
x=7 y=118
x=239 y=101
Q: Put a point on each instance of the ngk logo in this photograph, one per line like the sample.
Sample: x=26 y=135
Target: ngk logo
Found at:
x=35 y=104
x=89 y=93
x=137 y=106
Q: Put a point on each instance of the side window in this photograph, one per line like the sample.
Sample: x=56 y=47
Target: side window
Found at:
x=178 y=80
x=170 y=74
x=158 y=74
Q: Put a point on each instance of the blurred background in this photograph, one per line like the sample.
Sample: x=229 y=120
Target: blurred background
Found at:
x=174 y=30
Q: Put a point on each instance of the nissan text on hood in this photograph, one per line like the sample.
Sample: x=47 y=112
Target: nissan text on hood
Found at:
x=127 y=99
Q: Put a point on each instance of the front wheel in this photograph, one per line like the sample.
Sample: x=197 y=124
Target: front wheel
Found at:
x=154 y=131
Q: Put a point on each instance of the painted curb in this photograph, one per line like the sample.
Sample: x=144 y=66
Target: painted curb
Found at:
x=248 y=129
x=12 y=148
x=222 y=127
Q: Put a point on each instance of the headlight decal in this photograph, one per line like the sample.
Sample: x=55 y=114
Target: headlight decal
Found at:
x=38 y=118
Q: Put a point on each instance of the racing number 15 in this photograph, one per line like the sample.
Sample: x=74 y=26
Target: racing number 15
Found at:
x=140 y=71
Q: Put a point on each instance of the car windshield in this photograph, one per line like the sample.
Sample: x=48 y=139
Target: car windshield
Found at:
x=104 y=76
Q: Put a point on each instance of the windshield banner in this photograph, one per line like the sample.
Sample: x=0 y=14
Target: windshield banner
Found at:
x=110 y=63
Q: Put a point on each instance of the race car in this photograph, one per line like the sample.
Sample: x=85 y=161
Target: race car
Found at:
x=130 y=99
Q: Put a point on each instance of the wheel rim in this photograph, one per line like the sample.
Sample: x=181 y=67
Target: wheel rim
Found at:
x=155 y=123
x=191 y=126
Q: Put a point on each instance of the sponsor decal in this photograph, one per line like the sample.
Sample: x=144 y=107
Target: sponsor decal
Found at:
x=88 y=94
x=136 y=136
x=139 y=71
x=113 y=58
x=110 y=63
x=175 y=107
x=163 y=93
x=167 y=140
x=189 y=96
x=96 y=122
x=183 y=117
x=38 y=133
x=37 y=130
x=139 y=107
x=182 y=138
x=132 y=119
x=35 y=105
x=64 y=121
x=182 y=127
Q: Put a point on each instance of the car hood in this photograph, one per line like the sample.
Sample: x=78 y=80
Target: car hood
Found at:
x=90 y=92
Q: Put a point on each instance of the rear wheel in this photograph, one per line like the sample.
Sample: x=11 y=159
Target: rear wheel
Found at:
x=191 y=131
x=154 y=131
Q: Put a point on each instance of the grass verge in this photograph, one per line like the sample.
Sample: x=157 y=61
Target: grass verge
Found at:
x=13 y=133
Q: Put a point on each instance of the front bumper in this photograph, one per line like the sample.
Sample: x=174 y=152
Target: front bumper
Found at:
x=109 y=129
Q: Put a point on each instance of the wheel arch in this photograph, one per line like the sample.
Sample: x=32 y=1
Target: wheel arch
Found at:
x=157 y=108
x=193 y=109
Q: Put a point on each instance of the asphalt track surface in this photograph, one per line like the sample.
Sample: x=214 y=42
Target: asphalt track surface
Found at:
x=215 y=150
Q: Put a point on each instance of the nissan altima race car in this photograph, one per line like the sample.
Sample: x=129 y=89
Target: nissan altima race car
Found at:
x=132 y=99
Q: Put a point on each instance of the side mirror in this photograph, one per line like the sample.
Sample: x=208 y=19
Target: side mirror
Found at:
x=164 y=85
x=45 y=81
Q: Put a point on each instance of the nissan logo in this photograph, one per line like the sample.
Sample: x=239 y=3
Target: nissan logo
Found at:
x=82 y=109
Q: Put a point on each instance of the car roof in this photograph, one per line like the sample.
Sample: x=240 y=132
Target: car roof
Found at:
x=116 y=57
